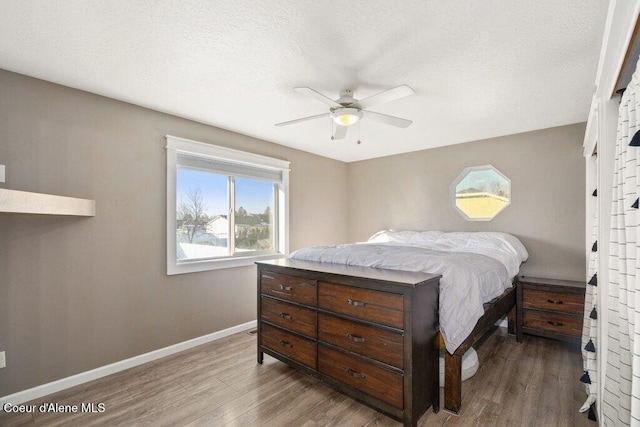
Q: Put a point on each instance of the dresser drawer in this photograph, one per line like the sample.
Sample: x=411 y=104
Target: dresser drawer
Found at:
x=553 y=301
x=294 y=347
x=364 y=376
x=298 y=319
x=553 y=322
x=290 y=288
x=378 y=307
x=375 y=343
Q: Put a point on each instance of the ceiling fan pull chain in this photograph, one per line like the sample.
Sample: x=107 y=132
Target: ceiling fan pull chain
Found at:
x=332 y=131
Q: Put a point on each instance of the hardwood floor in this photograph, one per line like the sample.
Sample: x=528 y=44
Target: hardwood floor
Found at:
x=530 y=384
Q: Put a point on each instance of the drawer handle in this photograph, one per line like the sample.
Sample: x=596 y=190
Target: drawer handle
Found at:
x=355 y=303
x=551 y=322
x=285 y=316
x=266 y=276
x=555 y=301
x=285 y=344
x=355 y=338
x=355 y=374
x=285 y=288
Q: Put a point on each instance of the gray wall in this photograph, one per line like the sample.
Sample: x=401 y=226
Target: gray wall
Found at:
x=547 y=212
x=79 y=293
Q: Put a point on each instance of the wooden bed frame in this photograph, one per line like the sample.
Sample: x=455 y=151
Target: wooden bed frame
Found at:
x=505 y=304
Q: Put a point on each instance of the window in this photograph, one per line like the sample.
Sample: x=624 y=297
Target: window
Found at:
x=225 y=208
x=480 y=193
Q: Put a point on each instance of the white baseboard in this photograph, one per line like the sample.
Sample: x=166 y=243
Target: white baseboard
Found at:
x=84 y=377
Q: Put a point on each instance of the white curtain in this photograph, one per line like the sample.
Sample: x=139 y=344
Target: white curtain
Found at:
x=621 y=399
x=590 y=325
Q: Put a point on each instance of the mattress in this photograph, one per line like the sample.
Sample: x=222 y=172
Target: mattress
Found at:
x=475 y=268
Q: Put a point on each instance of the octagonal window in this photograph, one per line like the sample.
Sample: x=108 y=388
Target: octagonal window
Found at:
x=480 y=193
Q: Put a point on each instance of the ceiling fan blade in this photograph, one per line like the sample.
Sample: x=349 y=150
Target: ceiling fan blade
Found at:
x=304 y=119
x=386 y=96
x=318 y=96
x=340 y=132
x=389 y=120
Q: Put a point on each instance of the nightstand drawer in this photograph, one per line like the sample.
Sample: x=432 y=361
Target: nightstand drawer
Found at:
x=374 y=306
x=295 y=318
x=359 y=374
x=294 y=347
x=370 y=341
x=290 y=288
x=553 y=301
x=553 y=322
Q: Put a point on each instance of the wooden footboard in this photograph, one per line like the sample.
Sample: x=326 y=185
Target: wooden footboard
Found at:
x=504 y=305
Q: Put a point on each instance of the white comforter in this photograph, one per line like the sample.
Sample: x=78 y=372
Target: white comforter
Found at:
x=475 y=268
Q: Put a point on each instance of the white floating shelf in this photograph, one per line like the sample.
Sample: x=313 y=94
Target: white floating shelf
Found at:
x=13 y=201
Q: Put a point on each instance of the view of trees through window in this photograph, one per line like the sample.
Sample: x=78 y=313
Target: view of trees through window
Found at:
x=202 y=215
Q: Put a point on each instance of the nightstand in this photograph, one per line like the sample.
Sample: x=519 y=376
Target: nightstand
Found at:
x=550 y=308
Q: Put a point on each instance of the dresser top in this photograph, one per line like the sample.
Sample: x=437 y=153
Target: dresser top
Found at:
x=553 y=282
x=405 y=278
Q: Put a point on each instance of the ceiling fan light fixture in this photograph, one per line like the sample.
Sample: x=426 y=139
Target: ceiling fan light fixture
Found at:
x=346 y=116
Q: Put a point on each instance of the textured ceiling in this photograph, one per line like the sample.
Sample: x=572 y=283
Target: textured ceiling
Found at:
x=479 y=68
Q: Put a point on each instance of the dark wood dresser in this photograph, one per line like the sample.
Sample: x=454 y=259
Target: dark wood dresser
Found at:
x=369 y=333
x=550 y=308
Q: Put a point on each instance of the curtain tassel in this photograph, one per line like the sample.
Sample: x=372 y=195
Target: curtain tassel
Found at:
x=585 y=378
x=635 y=204
x=592 y=413
x=635 y=141
x=594 y=313
x=595 y=193
x=594 y=280
x=590 y=347
x=594 y=248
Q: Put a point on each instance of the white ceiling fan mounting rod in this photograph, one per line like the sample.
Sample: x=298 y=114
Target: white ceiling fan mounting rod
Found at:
x=346 y=98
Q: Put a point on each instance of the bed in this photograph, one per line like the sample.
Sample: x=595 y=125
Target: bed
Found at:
x=476 y=288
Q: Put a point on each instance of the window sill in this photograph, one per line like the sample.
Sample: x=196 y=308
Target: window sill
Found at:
x=207 y=265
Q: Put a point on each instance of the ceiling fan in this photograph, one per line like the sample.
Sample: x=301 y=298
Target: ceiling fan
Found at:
x=346 y=110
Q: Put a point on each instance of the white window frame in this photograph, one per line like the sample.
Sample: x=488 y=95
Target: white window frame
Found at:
x=176 y=145
x=461 y=177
